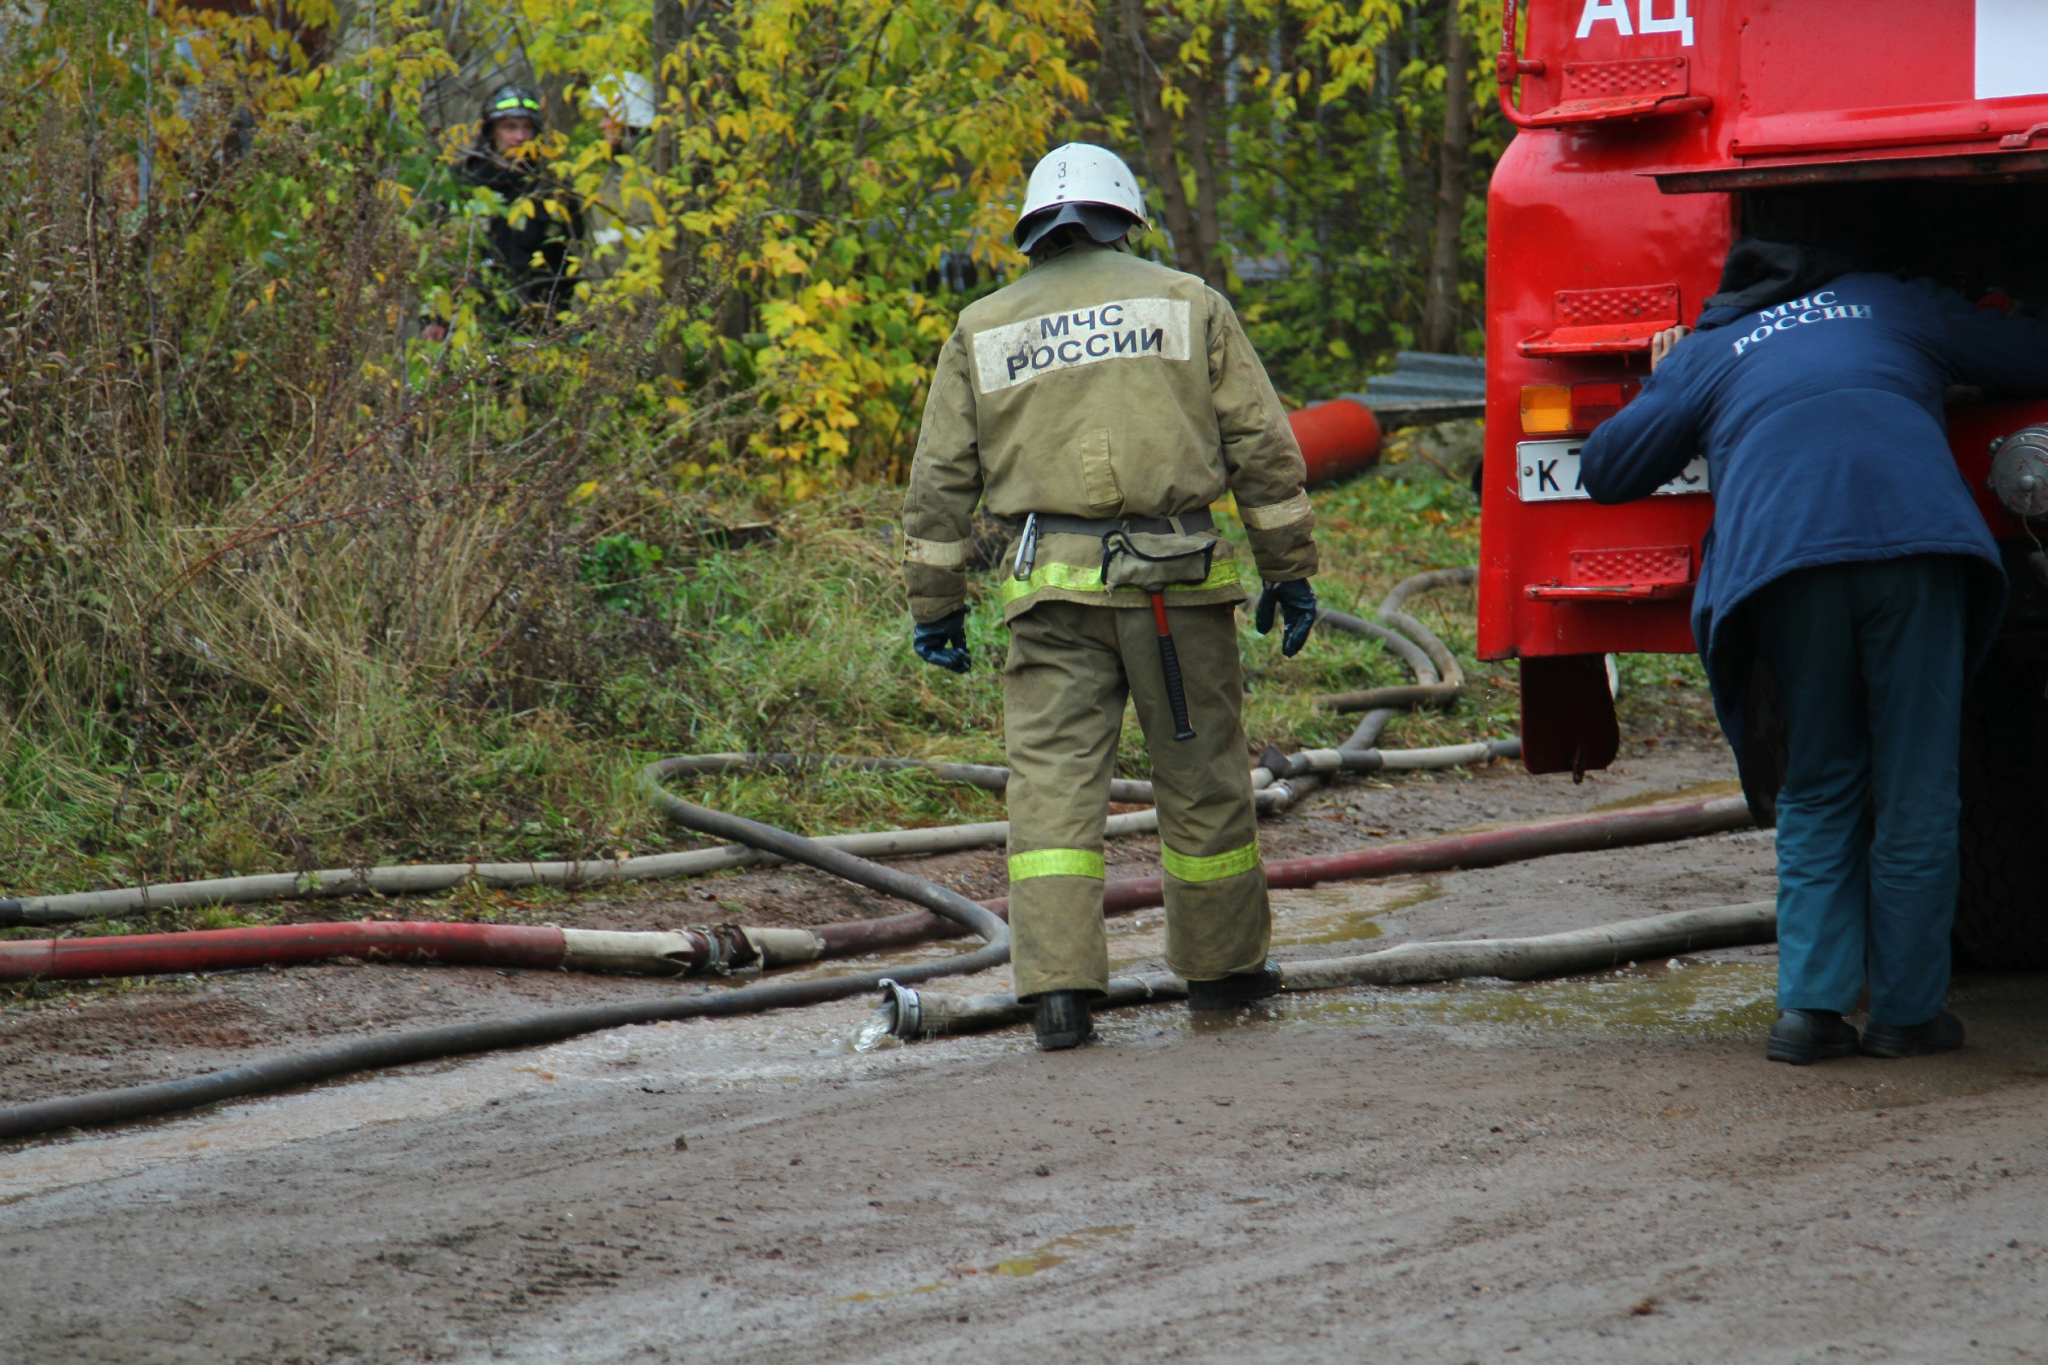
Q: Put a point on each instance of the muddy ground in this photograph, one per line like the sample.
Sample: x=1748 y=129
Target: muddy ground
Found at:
x=1601 y=1169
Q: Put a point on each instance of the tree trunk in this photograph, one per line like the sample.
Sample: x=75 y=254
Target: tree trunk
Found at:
x=1440 y=311
x=668 y=29
x=1205 y=133
x=1193 y=225
x=670 y=25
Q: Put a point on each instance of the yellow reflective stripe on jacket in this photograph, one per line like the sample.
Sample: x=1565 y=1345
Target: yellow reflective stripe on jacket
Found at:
x=1056 y=862
x=1213 y=868
x=1077 y=578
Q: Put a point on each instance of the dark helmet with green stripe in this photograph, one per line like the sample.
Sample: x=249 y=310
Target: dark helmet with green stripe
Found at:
x=511 y=101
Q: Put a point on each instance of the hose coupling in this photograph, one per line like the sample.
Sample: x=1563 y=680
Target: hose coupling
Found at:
x=726 y=950
x=1276 y=796
x=906 y=1009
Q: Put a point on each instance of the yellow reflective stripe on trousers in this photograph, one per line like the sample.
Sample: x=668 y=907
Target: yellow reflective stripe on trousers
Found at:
x=1076 y=578
x=1213 y=868
x=1056 y=862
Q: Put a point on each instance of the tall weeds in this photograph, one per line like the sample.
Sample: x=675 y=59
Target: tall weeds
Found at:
x=273 y=581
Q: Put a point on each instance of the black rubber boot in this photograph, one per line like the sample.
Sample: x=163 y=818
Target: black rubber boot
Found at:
x=1803 y=1037
x=1239 y=988
x=1942 y=1033
x=1062 y=1021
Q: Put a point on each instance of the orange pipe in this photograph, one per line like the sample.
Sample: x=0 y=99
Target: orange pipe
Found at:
x=1338 y=438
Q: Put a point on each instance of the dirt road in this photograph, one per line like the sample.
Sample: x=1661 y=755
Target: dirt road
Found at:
x=1601 y=1169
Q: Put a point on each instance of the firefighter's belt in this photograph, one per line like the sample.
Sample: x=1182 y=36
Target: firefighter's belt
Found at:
x=1187 y=523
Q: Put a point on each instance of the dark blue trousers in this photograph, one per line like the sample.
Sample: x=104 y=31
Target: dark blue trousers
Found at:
x=1868 y=659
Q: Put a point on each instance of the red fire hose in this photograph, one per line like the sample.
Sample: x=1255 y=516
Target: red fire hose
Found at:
x=283 y=945
x=671 y=952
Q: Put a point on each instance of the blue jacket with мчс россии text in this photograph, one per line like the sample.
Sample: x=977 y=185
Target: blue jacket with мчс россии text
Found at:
x=1821 y=420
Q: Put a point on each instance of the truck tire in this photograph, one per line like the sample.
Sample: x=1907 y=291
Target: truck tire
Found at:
x=2002 y=907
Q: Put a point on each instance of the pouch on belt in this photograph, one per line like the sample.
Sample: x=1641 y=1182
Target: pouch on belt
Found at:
x=1154 y=561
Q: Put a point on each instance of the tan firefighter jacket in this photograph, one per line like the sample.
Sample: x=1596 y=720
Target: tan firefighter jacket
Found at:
x=1100 y=385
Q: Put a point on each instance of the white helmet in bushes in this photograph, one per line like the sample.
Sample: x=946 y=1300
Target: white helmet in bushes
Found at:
x=1080 y=183
x=626 y=96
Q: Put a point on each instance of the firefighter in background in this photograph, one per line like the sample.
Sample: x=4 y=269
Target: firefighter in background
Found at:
x=1850 y=586
x=528 y=242
x=1099 y=406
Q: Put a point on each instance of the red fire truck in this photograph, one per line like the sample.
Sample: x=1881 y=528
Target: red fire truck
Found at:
x=1651 y=134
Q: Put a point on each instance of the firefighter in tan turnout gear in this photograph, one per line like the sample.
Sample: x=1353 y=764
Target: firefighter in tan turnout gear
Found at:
x=1099 y=406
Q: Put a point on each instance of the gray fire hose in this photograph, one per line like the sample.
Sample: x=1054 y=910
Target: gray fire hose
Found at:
x=922 y=1014
x=1438 y=679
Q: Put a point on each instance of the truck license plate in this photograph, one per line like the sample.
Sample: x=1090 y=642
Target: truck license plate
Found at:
x=1548 y=471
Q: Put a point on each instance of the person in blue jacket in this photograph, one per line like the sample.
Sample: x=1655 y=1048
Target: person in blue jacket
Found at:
x=1847 y=589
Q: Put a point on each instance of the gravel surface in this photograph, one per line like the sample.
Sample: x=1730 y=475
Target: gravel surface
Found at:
x=1599 y=1169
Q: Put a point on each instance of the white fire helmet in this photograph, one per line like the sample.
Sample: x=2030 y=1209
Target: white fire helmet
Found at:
x=626 y=96
x=1076 y=184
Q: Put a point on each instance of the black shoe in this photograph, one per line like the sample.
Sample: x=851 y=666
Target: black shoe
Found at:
x=1942 y=1033
x=1803 y=1037
x=1239 y=988
x=1062 y=1021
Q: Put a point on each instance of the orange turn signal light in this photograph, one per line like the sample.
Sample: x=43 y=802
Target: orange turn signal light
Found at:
x=1546 y=409
x=1555 y=409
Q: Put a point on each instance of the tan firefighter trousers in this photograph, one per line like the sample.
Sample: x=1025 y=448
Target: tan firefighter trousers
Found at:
x=1069 y=670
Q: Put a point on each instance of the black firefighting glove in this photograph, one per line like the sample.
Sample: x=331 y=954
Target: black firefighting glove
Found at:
x=1296 y=601
x=944 y=642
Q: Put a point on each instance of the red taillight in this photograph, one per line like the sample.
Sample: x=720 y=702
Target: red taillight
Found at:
x=1557 y=409
x=1593 y=404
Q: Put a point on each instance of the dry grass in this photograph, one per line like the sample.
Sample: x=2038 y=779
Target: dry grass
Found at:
x=277 y=587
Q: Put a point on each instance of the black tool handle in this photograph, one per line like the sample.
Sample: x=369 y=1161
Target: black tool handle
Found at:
x=1176 y=694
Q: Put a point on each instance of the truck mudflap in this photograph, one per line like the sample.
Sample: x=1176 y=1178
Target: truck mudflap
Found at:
x=1568 y=723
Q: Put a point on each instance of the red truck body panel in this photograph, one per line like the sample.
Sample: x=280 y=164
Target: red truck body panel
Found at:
x=1609 y=215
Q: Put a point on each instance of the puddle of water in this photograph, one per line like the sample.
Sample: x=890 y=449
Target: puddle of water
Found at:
x=1344 y=912
x=1057 y=1252
x=1698 y=1000
x=878 y=1296
x=1701 y=1000
x=1028 y=1265
x=1692 y=791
